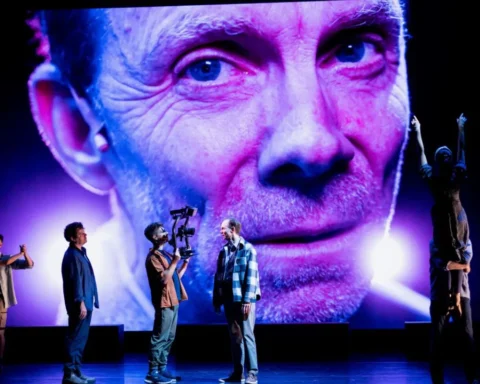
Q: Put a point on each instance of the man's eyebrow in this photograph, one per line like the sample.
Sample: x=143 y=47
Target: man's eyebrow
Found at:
x=178 y=31
x=380 y=13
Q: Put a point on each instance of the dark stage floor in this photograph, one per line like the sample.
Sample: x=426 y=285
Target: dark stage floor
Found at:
x=358 y=370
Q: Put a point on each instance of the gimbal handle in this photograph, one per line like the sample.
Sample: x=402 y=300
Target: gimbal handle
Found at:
x=174 y=234
x=187 y=243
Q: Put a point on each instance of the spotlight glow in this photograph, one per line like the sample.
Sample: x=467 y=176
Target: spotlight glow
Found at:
x=387 y=259
x=403 y=295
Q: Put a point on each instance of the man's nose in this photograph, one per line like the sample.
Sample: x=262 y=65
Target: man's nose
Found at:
x=305 y=144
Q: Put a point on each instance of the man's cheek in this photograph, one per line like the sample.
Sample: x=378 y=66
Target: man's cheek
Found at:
x=144 y=124
x=359 y=118
x=392 y=124
x=193 y=156
x=211 y=145
x=383 y=142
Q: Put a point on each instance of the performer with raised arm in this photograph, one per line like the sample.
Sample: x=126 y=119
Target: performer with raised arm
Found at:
x=450 y=252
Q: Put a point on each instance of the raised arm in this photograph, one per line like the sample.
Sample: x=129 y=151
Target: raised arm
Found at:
x=165 y=274
x=415 y=128
x=168 y=273
x=183 y=268
x=461 y=138
x=27 y=262
x=11 y=259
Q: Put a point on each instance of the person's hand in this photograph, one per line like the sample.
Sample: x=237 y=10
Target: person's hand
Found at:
x=415 y=125
x=176 y=254
x=467 y=268
x=23 y=248
x=246 y=310
x=461 y=121
x=83 y=311
x=458 y=304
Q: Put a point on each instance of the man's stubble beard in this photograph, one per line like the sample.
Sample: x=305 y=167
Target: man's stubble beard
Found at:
x=153 y=201
x=283 y=302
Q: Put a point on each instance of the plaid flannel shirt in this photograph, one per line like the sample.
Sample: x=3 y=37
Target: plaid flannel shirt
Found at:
x=245 y=278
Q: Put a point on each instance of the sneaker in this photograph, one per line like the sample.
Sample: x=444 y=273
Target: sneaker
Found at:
x=168 y=375
x=233 y=378
x=72 y=378
x=251 y=378
x=89 y=380
x=154 y=377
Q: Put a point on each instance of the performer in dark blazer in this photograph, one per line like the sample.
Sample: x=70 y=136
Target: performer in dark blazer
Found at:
x=80 y=294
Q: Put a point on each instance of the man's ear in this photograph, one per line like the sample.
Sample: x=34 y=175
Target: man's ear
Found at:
x=70 y=129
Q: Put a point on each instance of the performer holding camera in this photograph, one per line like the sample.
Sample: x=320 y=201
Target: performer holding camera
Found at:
x=237 y=288
x=167 y=291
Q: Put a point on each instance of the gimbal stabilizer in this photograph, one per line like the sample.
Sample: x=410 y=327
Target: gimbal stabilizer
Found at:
x=183 y=231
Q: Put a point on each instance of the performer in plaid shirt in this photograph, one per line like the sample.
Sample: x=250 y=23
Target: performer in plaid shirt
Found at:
x=237 y=288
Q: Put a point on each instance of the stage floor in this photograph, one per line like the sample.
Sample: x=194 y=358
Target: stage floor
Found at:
x=359 y=370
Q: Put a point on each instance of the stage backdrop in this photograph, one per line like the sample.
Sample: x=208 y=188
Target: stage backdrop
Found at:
x=290 y=116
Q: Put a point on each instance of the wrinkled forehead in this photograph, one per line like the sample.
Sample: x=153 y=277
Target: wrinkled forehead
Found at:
x=141 y=31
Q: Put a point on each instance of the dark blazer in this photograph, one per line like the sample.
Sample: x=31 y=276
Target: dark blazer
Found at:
x=78 y=281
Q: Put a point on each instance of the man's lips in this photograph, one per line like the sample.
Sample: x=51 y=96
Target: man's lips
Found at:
x=292 y=259
x=303 y=237
x=331 y=238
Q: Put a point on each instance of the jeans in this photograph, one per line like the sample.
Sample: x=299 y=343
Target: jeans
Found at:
x=464 y=328
x=75 y=341
x=163 y=335
x=243 y=346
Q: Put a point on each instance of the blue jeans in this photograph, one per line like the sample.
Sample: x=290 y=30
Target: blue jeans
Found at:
x=243 y=346
x=75 y=341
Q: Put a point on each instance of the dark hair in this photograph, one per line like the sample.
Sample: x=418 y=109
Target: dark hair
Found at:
x=234 y=223
x=440 y=151
x=150 y=231
x=71 y=40
x=71 y=230
x=1 y=238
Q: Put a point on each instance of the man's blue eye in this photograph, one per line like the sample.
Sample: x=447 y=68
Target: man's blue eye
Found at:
x=205 y=70
x=352 y=52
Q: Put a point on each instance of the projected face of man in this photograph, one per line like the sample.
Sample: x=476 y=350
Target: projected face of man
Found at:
x=289 y=117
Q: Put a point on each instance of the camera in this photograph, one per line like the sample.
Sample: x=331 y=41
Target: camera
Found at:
x=183 y=233
x=183 y=212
